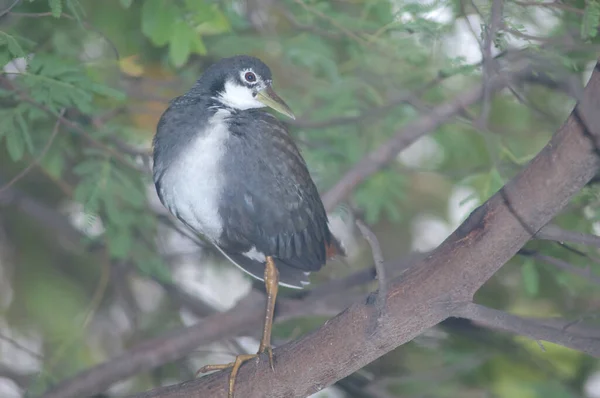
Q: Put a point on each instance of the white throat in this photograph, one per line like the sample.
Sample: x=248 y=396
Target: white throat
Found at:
x=238 y=97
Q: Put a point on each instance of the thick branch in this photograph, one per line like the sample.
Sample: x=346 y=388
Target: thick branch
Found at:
x=426 y=294
x=244 y=318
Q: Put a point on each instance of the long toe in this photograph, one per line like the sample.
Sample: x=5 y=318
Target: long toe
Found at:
x=267 y=349
x=235 y=367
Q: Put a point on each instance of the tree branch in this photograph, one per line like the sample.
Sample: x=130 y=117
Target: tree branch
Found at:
x=39 y=158
x=244 y=318
x=529 y=327
x=585 y=273
x=378 y=158
x=557 y=234
x=491 y=30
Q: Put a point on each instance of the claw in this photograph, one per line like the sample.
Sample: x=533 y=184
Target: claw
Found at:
x=270 y=353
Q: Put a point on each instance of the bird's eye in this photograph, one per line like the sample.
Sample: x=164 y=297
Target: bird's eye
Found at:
x=250 y=77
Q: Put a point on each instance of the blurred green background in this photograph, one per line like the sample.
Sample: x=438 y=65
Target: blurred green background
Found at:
x=91 y=265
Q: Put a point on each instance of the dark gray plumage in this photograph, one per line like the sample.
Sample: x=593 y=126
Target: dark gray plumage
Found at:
x=232 y=173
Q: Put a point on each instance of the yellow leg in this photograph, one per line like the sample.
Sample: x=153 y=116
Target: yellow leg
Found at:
x=271 y=285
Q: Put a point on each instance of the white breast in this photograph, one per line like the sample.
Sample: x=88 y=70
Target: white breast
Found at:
x=193 y=184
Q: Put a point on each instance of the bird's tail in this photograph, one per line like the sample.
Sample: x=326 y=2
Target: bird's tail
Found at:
x=335 y=248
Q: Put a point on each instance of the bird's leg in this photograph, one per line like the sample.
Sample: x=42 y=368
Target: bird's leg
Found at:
x=271 y=286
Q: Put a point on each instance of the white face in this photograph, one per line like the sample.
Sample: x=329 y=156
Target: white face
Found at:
x=242 y=95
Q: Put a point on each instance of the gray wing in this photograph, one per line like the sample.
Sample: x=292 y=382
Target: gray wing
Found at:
x=270 y=205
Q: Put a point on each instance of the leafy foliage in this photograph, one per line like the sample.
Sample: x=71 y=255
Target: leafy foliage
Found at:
x=591 y=20
x=180 y=27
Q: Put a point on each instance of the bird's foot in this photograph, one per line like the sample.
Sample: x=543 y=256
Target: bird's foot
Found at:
x=235 y=367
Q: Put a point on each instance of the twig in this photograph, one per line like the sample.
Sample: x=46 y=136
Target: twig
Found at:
x=37 y=160
x=371 y=239
x=585 y=273
x=10 y=7
x=308 y=28
x=574 y=325
x=21 y=347
x=554 y=4
x=488 y=61
x=496 y=319
x=321 y=15
x=557 y=234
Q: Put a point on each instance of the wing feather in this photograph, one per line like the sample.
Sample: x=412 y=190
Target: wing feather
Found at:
x=270 y=201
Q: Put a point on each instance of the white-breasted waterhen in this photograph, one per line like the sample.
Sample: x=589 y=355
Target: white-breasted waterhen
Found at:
x=231 y=172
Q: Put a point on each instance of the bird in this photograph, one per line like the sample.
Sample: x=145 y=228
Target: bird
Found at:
x=231 y=172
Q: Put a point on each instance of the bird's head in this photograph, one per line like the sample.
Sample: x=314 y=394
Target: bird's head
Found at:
x=242 y=82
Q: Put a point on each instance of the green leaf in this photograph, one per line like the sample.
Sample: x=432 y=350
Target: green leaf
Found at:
x=154 y=267
x=119 y=242
x=531 y=278
x=131 y=191
x=126 y=3
x=313 y=53
x=184 y=41
x=457 y=66
x=179 y=46
x=210 y=19
x=158 y=20
x=75 y=8
x=108 y=91
x=15 y=145
x=25 y=130
x=5 y=57
x=96 y=183
x=14 y=48
x=57 y=83
x=87 y=167
x=86 y=193
x=54 y=161
x=591 y=20
x=6 y=122
x=55 y=7
x=198 y=45
x=381 y=193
